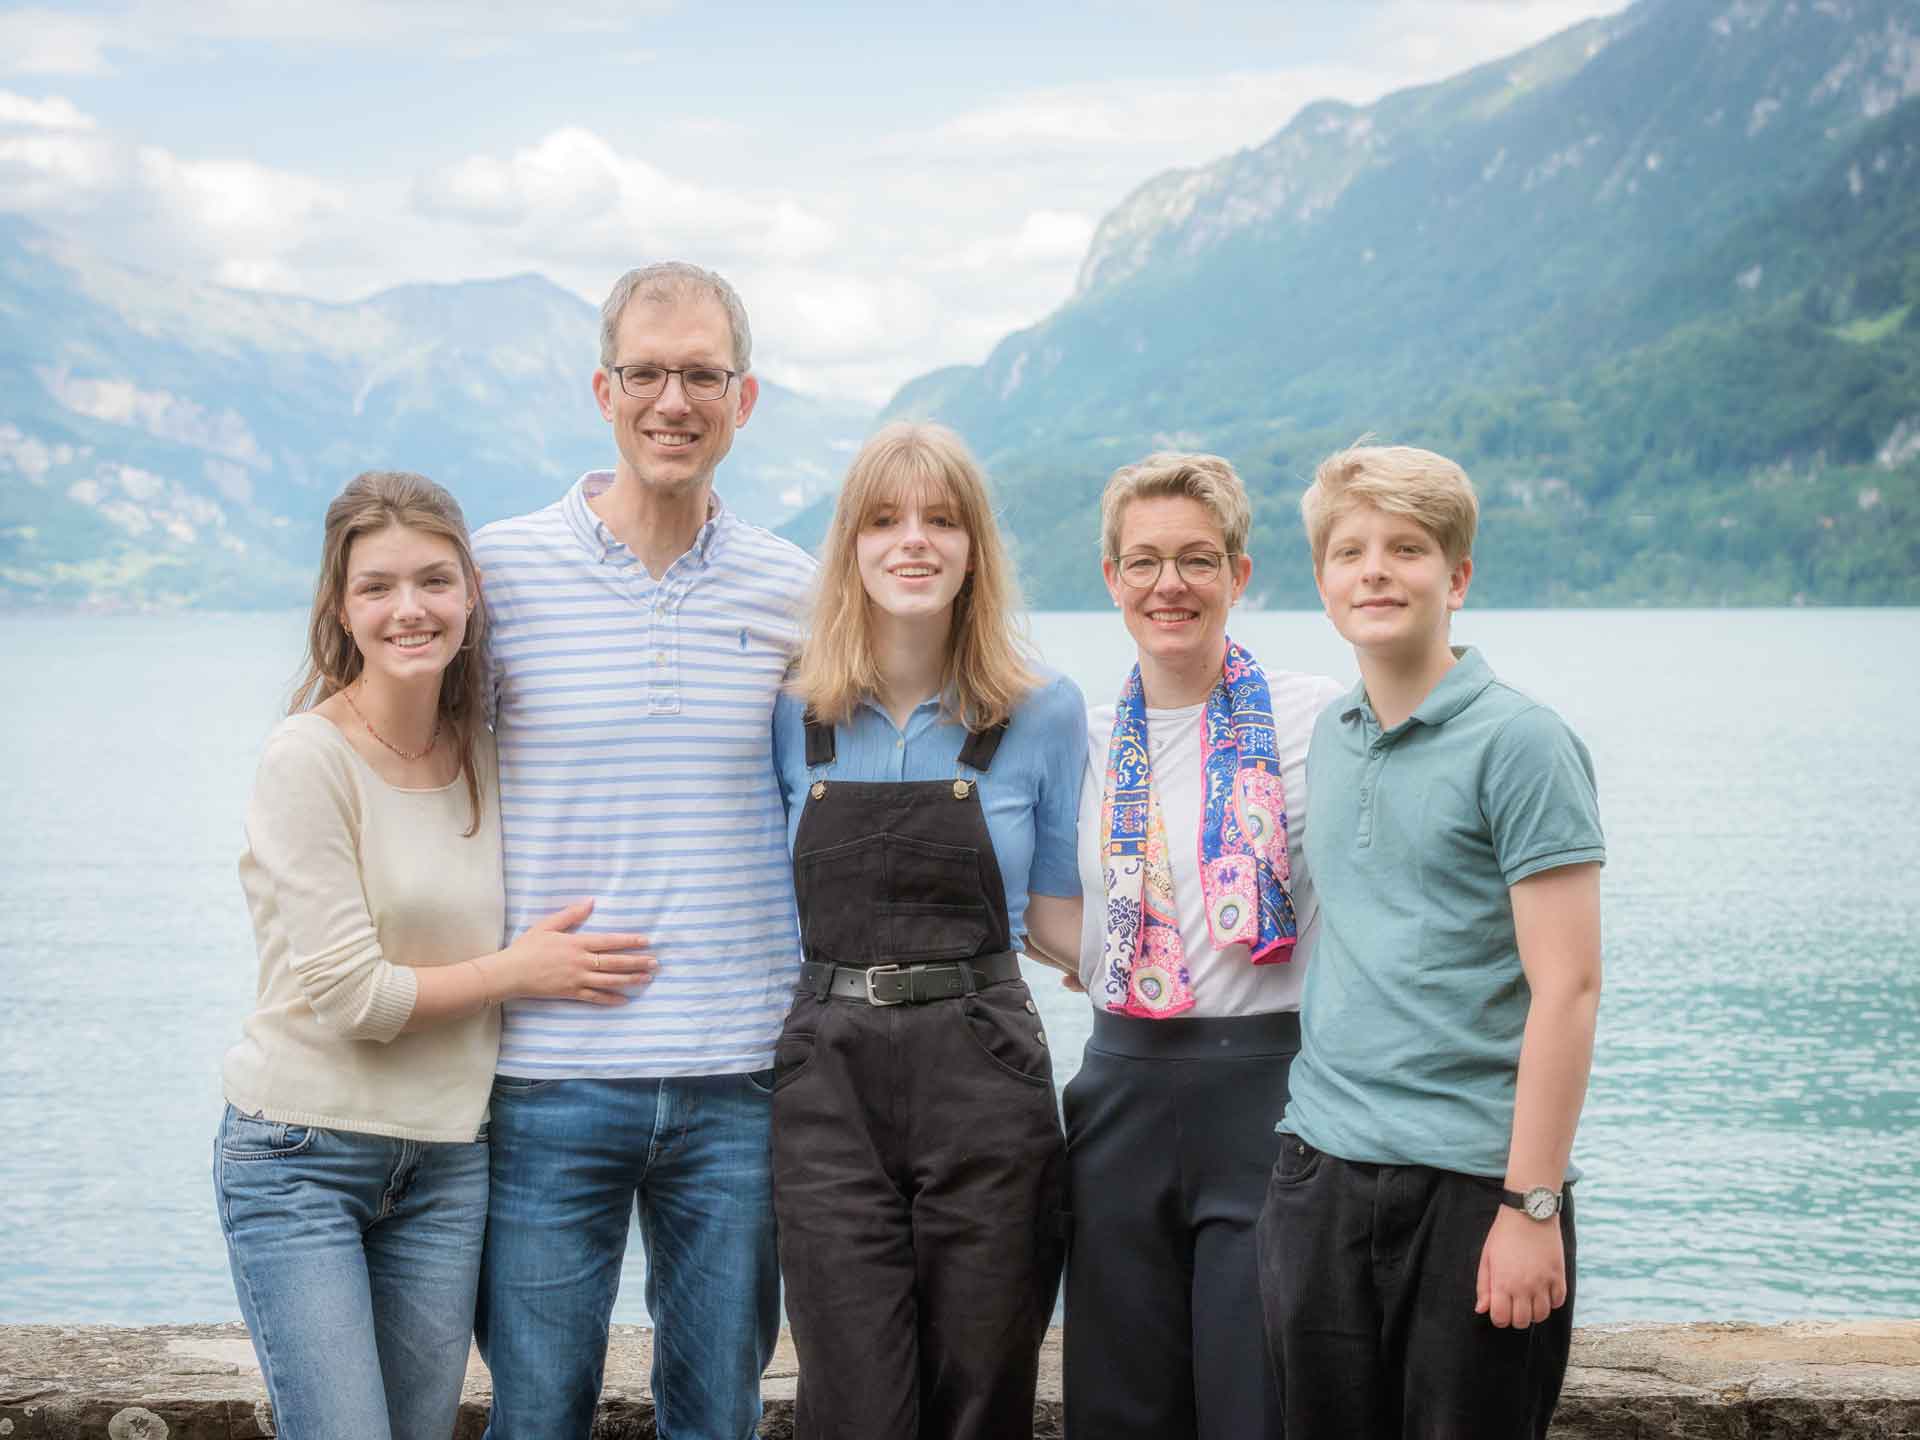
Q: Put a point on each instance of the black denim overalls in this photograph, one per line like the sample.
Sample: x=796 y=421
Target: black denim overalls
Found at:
x=918 y=1160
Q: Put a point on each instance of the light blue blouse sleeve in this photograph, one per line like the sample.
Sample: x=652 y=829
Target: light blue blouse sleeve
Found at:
x=789 y=752
x=1061 y=713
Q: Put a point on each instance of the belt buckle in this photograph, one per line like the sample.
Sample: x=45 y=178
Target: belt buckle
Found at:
x=873 y=999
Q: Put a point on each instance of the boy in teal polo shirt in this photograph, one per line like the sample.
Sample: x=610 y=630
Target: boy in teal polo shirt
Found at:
x=1417 y=1244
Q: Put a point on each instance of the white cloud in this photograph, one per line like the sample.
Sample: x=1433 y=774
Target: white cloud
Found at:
x=573 y=193
x=47 y=42
x=55 y=112
x=1180 y=124
x=233 y=221
x=455 y=25
x=1054 y=235
x=1437 y=38
x=42 y=41
x=59 y=172
x=237 y=199
x=1047 y=238
x=31 y=456
x=230 y=480
x=479 y=188
x=137 y=483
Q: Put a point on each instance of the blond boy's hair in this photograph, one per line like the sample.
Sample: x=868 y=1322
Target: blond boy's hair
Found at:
x=1426 y=488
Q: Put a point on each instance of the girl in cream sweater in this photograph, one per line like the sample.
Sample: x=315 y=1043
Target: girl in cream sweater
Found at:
x=351 y=1164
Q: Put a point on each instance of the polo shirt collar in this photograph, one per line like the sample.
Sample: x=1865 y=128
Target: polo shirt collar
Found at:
x=598 y=541
x=1458 y=688
x=1354 y=704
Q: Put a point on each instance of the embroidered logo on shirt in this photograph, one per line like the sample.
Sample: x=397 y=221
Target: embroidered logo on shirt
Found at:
x=743 y=637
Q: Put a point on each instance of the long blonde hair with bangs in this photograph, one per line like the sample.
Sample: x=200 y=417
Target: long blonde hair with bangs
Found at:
x=988 y=671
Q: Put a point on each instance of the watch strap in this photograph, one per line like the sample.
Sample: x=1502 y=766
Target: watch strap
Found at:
x=1518 y=1200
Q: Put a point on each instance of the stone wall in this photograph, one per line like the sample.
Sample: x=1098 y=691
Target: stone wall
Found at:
x=1628 y=1382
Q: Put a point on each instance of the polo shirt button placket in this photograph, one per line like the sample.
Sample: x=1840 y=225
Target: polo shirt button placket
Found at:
x=663 y=695
x=1369 y=781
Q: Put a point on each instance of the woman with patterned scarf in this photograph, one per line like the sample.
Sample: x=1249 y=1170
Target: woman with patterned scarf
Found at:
x=1198 y=920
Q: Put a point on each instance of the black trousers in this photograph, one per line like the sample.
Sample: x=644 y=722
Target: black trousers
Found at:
x=1170 y=1138
x=918 y=1180
x=1368 y=1275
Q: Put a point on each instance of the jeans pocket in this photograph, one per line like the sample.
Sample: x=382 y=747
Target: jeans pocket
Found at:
x=1298 y=1161
x=791 y=1057
x=507 y=1087
x=1004 y=1025
x=760 y=1081
x=249 y=1137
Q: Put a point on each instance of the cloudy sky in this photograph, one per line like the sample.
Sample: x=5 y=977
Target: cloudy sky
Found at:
x=892 y=187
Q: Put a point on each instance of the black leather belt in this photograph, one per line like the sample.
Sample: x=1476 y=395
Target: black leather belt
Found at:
x=909 y=984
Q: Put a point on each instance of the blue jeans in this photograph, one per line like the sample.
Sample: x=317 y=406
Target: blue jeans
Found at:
x=355 y=1258
x=571 y=1158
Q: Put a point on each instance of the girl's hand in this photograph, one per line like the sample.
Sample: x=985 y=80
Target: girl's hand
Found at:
x=553 y=962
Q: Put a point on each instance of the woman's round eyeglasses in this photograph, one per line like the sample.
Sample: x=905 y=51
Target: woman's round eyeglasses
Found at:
x=1198 y=568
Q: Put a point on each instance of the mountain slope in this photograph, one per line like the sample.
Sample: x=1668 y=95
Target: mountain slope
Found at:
x=1631 y=277
x=170 y=443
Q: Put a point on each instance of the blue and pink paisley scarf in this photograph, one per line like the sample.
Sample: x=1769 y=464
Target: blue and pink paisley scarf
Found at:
x=1244 y=872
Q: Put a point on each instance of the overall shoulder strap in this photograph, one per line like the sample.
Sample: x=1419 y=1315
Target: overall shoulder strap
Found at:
x=981 y=745
x=819 y=742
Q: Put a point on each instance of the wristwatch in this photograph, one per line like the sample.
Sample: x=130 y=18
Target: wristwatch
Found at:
x=1539 y=1203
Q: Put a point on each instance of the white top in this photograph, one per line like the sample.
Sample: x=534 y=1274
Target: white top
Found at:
x=1225 y=982
x=352 y=884
x=634 y=718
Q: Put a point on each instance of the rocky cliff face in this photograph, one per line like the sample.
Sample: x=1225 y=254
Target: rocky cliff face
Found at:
x=1302 y=172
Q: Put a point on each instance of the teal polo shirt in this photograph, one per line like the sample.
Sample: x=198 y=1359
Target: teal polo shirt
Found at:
x=1415 y=1002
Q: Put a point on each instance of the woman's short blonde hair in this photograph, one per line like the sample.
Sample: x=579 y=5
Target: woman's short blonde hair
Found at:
x=1206 y=478
x=1426 y=488
x=987 y=669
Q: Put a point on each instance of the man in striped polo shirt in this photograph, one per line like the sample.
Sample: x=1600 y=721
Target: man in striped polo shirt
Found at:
x=640 y=631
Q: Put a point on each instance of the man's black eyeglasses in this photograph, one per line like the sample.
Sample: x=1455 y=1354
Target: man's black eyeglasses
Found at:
x=701 y=382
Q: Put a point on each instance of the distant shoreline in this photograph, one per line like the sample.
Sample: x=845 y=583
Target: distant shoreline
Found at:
x=148 y=612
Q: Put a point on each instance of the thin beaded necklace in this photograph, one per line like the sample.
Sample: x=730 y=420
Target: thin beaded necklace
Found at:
x=432 y=740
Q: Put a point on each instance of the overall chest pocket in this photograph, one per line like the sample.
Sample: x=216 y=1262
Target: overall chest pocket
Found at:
x=887 y=898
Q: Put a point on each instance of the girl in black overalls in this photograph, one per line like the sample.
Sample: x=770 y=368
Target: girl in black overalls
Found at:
x=931 y=778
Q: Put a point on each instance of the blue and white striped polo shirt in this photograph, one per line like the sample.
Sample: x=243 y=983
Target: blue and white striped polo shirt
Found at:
x=634 y=724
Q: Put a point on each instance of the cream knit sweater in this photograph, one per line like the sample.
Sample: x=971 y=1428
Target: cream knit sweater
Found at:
x=353 y=884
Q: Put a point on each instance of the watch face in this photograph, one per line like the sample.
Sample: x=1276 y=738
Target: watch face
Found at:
x=1541 y=1203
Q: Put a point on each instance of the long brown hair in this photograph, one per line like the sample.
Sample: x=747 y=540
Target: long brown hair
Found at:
x=370 y=503
x=987 y=671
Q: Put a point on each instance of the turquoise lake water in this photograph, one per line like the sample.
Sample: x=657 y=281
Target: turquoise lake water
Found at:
x=1752 y=1139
